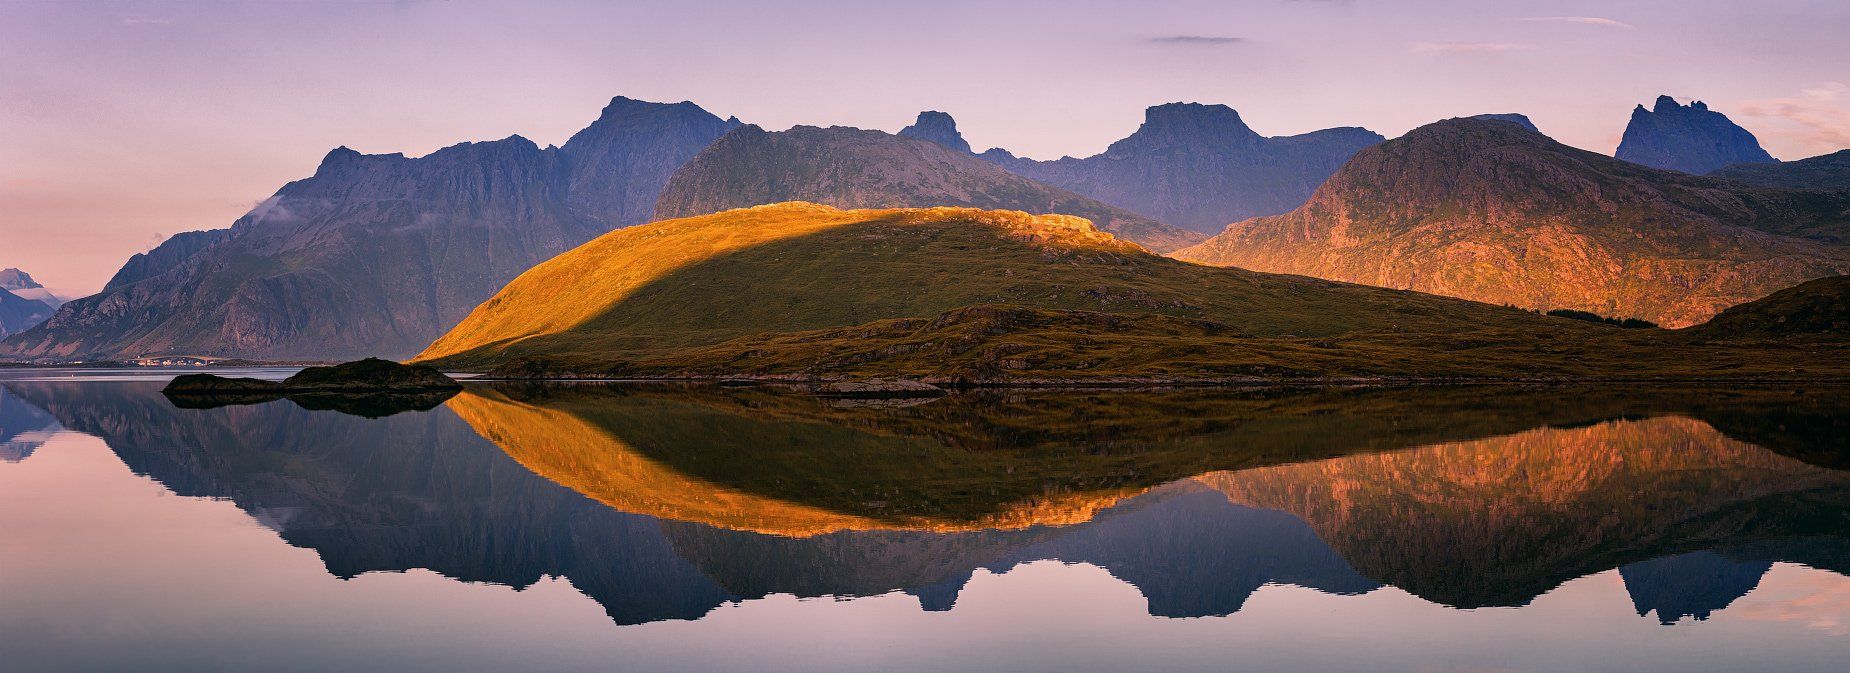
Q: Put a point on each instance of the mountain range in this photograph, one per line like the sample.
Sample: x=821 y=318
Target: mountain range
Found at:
x=1688 y=138
x=1192 y=165
x=379 y=254
x=854 y=168
x=1494 y=212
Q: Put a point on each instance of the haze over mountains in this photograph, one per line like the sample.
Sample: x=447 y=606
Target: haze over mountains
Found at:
x=23 y=302
x=1494 y=212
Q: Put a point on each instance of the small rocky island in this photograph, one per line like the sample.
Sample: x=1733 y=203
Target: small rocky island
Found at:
x=371 y=375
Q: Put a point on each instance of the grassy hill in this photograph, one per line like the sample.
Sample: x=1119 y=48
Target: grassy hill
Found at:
x=802 y=291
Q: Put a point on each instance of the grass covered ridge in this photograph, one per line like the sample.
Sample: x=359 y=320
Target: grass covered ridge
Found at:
x=801 y=291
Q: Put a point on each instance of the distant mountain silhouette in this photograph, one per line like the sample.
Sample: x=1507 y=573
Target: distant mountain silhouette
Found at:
x=1689 y=585
x=1829 y=171
x=1200 y=167
x=936 y=127
x=854 y=168
x=1688 y=138
x=379 y=254
x=18 y=314
x=23 y=302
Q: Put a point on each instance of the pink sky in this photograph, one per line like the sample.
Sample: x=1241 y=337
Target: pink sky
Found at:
x=124 y=122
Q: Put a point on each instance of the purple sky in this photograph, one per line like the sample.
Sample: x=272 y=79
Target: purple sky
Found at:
x=124 y=122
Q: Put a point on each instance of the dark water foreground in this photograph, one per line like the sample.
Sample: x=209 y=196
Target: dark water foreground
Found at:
x=699 y=529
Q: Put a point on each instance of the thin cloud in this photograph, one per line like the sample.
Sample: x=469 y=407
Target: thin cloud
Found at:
x=1582 y=20
x=1817 y=122
x=1467 y=47
x=1828 y=91
x=1196 y=39
x=139 y=20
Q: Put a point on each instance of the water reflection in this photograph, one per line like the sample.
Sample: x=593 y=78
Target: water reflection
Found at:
x=666 y=503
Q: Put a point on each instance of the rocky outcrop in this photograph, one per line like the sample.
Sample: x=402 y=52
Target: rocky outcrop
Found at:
x=1829 y=171
x=936 y=127
x=169 y=254
x=1689 y=138
x=854 y=168
x=1200 y=167
x=1491 y=211
x=379 y=254
x=368 y=375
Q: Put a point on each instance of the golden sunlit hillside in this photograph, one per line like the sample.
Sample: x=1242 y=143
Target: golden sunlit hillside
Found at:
x=803 y=291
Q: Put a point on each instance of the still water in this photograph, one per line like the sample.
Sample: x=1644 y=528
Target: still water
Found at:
x=591 y=528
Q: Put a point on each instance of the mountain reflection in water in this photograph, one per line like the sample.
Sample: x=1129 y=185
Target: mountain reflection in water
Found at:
x=665 y=503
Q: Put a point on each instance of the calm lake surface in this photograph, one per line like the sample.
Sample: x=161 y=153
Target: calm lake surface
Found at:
x=598 y=528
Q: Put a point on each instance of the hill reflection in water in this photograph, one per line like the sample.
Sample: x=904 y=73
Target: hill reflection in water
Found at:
x=664 y=503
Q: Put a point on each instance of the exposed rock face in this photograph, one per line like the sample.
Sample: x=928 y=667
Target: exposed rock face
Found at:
x=620 y=163
x=1200 y=167
x=1689 y=138
x=937 y=127
x=1830 y=171
x=1496 y=213
x=380 y=253
x=854 y=168
x=169 y=254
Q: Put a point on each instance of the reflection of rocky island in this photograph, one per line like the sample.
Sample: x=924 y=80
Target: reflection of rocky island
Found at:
x=425 y=490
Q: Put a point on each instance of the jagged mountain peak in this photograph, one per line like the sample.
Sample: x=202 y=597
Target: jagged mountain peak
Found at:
x=937 y=127
x=1689 y=138
x=15 y=279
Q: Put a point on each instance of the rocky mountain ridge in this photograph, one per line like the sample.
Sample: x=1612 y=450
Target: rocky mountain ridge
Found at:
x=855 y=168
x=1688 y=138
x=1200 y=167
x=377 y=254
x=1494 y=212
